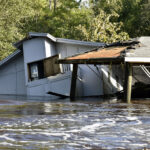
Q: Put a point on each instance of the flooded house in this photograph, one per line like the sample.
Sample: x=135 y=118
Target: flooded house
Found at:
x=82 y=68
x=31 y=70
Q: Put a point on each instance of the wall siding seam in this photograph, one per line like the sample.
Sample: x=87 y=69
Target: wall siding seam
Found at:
x=1 y=75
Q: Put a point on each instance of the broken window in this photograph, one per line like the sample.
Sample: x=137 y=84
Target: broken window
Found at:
x=43 y=68
x=50 y=67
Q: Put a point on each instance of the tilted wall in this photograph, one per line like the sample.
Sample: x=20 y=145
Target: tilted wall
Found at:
x=40 y=48
x=113 y=76
x=89 y=81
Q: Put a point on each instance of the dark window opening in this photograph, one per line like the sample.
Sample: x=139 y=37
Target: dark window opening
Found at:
x=43 y=68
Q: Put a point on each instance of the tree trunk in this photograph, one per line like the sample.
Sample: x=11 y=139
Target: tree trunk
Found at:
x=50 y=2
x=55 y=5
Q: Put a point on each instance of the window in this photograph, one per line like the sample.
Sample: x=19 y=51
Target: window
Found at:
x=43 y=68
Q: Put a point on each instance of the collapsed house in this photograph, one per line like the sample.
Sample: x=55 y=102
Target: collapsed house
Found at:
x=31 y=69
x=82 y=68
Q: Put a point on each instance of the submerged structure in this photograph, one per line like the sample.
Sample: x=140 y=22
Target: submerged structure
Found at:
x=82 y=68
x=118 y=62
x=31 y=69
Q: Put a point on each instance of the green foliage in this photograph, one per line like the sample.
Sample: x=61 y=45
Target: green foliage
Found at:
x=130 y=16
x=97 y=20
x=14 y=17
x=108 y=6
x=102 y=29
x=144 y=27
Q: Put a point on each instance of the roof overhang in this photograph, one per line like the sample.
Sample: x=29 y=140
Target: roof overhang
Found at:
x=32 y=35
x=77 y=42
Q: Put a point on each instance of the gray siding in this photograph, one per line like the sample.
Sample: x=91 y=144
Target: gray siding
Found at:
x=12 y=77
x=66 y=50
x=91 y=83
x=50 y=49
x=58 y=84
x=34 y=49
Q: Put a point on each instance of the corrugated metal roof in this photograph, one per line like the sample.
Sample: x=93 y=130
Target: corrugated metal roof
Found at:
x=109 y=52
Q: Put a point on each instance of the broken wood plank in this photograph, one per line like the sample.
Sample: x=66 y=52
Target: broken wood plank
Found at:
x=57 y=94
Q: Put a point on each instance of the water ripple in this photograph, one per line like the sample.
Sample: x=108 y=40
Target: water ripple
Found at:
x=74 y=125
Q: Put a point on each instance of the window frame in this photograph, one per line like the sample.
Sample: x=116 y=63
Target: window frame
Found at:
x=42 y=68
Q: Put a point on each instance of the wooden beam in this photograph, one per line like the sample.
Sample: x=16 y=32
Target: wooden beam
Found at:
x=73 y=82
x=113 y=60
x=129 y=83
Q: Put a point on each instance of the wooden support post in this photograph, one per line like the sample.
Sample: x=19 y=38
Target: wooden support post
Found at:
x=73 y=82
x=125 y=81
x=129 y=83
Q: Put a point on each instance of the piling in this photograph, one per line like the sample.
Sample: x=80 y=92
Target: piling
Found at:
x=73 y=82
x=129 y=83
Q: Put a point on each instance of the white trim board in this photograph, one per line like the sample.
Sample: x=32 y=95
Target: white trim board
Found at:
x=137 y=59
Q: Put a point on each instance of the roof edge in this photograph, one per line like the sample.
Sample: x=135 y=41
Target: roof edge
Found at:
x=78 y=42
x=10 y=57
x=36 y=34
x=31 y=35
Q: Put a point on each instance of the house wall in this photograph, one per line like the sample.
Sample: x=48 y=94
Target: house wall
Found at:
x=58 y=84
x=50 y=49
x=34 y=50
x=37 y=49
x=41 y=48
x=12 y=77
x=66 y=50
x=89 y=82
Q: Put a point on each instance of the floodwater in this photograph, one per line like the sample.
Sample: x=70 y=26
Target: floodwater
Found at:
x=83 y=124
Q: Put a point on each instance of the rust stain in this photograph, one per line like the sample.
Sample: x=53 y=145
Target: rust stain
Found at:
x=101 y=53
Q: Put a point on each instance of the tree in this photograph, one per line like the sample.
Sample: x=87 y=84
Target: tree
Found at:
x=101 y=29
x=14 y=17
x=130 y=16
x=63 y=21
x=108 y=6
x=144 y=28
x=96 y=20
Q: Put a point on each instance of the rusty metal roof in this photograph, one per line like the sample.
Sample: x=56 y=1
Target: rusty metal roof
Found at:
x=112 y=53
x=109 y=52
x=99 y=56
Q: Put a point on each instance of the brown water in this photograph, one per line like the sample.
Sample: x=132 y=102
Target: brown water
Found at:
x=64 y=125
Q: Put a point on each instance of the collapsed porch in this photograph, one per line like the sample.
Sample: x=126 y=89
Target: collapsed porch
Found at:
x=113 y=54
